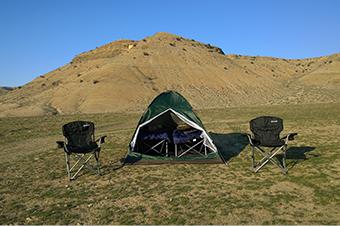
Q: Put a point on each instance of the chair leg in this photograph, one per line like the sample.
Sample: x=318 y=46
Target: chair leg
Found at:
x=268 y=157
x=67 y=158
x=253 y=157
x=284 y=159
x=96 y=155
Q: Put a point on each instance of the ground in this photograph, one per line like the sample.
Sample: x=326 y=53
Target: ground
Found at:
x=34 y=188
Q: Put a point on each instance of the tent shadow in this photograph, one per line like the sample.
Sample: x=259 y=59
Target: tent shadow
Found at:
x=229 y=145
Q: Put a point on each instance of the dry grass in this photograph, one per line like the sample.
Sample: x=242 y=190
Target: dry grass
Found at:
x=34 y=188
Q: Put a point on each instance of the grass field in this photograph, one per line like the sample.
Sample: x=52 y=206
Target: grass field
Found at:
x=34 y=188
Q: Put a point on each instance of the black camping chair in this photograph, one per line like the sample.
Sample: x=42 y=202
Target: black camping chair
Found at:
x=79 y=143
x=266 y=134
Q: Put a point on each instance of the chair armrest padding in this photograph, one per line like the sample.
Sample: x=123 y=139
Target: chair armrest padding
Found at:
x=290 y=136
x=101 y=140
x=60 y=144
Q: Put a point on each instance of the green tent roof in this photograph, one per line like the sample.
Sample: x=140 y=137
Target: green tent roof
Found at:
x=170 y=100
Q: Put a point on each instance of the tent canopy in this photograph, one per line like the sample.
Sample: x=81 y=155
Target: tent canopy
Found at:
x=170 y=100
x=170 y=110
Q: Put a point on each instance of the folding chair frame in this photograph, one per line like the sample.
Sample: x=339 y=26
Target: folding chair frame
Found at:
x=81 y=159
x=269 y=156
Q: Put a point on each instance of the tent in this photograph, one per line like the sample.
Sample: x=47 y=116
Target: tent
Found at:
x=169 y=130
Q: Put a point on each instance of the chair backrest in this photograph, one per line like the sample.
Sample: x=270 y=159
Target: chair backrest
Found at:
x=79 y=133
x=267 y=129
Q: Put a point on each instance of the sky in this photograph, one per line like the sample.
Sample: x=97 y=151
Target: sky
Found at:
x=37 y=36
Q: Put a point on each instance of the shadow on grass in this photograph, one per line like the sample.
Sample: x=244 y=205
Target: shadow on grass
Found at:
x=229 y=145
x=298 y=154
x=113 y=166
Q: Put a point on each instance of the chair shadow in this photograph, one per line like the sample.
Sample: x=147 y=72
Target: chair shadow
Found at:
x=112 y=166
x=298 y=154
x=229 y=145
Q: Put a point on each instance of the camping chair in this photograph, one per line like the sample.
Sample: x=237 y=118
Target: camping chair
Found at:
x=189 y=142
x=79 y=143
x=266 y=134
x=156 y=142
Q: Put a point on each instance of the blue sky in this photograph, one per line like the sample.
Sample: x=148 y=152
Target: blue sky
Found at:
x=38 y=36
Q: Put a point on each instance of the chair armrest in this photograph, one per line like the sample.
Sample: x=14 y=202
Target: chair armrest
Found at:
x=101 y=140
x=290 y=136
x=60 y=144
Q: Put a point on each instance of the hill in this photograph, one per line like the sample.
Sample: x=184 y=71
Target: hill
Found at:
x=4 y=90
x=124 y=75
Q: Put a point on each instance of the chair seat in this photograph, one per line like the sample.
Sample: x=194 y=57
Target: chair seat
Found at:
x=276 y=143
x=83 y=149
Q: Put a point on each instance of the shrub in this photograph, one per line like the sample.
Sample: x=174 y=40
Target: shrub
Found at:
x=146 y=54
x=55 y=83
x=95 y=81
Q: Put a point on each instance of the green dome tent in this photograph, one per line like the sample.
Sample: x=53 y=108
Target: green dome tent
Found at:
x=169 y=130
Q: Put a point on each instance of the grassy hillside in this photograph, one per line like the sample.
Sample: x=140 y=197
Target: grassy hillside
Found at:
x=96 y=81
x=34 y=188
x=4 y=90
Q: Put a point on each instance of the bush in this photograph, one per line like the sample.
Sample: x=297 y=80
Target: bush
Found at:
x=95 y=81
x=146 y=54
x=55 y=83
